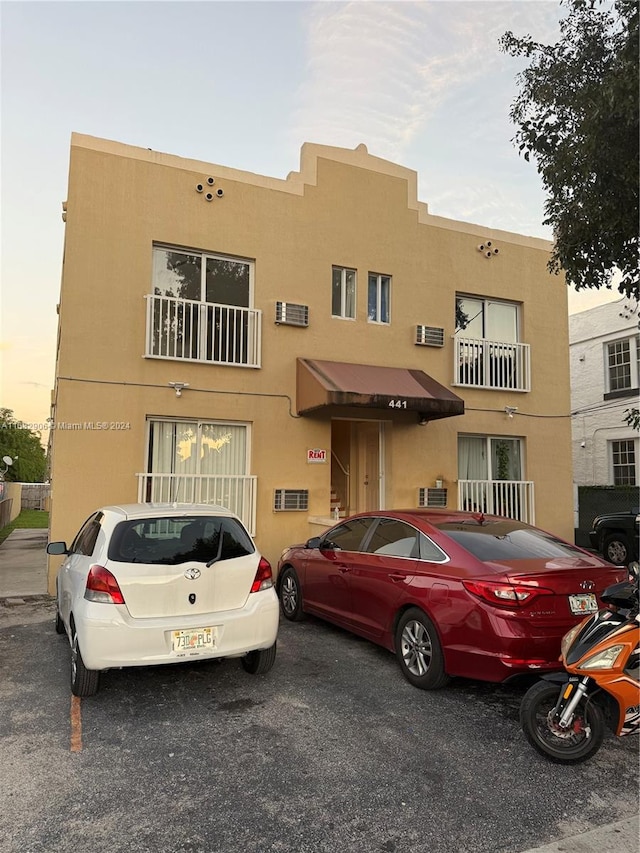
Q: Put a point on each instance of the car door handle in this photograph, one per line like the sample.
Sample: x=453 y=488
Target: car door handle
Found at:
x=396 y=578
x=344 y=569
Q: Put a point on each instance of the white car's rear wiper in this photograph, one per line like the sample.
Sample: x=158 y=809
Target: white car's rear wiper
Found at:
x=217 y=556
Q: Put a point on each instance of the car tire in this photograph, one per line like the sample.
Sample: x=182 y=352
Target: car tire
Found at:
x=84 y=682
x=419 y=651
x=290 y=595
x=616 y=549
x=259 y=661
x=60 y=629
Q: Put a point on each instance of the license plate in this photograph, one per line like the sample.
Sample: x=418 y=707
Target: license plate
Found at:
x=584 y=602
x=192 y=642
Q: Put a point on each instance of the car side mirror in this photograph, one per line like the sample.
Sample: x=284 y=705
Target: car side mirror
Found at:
x=56 y=549
x=634 y=570
x=328 y=545
x=314 y=542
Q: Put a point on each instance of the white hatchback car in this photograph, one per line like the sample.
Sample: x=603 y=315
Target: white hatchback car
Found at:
x=146 y=584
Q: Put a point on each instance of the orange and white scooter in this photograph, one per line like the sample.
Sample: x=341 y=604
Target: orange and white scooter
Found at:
x=565 y=716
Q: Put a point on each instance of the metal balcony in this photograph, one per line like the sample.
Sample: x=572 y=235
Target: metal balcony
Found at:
x=185 y=330
x=511 y=498
x=235 y=492
x=492 y=364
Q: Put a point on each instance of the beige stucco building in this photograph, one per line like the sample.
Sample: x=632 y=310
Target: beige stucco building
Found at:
x=300 y=348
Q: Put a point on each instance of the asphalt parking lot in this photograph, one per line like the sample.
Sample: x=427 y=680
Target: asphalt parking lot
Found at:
x=331 y=751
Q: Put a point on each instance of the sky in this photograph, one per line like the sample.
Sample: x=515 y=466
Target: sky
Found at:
x=244 y=84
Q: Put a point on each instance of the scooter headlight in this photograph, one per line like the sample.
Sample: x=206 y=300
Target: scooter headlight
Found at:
x=603 y=660
x=567 y=640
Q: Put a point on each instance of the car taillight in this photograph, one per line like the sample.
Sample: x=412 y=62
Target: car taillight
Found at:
x=102 y=586
x=264 y=576
x=505 y=594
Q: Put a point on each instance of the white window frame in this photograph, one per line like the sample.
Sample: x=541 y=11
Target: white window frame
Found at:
x=216 y=256
x=237 y=491
x=344 y=315
x=378 y=279
x=634 y=365
x=198 y=424
x=488 y=439
x=613 y=467
x=192 y=328
x=513 y=498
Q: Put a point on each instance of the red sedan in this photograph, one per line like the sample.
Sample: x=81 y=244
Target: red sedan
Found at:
x=451 y=593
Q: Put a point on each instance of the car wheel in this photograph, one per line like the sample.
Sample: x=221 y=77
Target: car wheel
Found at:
x=419 y=652
x=259 y=661
x=615 y=548
x=84 y=682
x=291 y=595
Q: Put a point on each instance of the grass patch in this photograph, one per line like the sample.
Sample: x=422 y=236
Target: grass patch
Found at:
x=27 y=520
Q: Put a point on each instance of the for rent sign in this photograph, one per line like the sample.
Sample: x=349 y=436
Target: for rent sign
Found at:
x=316 y=455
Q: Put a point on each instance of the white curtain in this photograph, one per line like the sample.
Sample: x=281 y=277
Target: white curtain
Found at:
x=502 y=322
x=223 y=449
x=472 y=458
x=179 y=447
x=173 y=447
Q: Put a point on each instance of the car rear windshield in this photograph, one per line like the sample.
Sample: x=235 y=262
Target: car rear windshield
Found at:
x=505 y=540
x=180 y=539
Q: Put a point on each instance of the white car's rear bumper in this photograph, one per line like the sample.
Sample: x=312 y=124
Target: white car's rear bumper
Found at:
x=109 y=637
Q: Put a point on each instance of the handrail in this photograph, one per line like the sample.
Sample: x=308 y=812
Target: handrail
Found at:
x=344 y=470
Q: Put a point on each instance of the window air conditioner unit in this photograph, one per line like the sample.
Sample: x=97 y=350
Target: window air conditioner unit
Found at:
x=429 y=336
x=432 y=497
x=292 y=500
x=290 y=314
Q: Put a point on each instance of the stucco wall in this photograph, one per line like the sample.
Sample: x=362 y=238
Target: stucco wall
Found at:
x=342 y=208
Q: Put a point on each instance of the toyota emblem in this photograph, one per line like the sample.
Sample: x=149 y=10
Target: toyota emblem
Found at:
x=193 y=573
x=587 y=585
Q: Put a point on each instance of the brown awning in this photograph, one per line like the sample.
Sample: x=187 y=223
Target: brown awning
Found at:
x=394 y=389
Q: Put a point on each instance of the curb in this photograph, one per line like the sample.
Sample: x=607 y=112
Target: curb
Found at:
x=17 y=600
x=618 y=837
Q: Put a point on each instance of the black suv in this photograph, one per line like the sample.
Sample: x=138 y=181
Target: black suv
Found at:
x=615 y=535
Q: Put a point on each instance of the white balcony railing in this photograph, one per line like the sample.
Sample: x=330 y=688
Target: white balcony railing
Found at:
x=512 y=498
x=237 y=493
x=492 y=364
x=185 y=330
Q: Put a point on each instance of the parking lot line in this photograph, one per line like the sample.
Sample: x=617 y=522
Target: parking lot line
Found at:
x=76 y=725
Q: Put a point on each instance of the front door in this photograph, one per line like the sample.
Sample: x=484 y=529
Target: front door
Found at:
x=367 y=463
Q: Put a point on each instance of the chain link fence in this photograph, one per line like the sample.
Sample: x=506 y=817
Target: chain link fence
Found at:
x=597 y=500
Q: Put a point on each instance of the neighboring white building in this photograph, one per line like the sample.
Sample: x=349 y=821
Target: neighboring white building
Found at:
x=605 y=366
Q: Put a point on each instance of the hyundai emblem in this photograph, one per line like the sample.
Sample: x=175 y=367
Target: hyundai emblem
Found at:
x=583 y=585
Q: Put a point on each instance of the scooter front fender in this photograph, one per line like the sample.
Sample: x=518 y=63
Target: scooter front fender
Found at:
x=556 y=677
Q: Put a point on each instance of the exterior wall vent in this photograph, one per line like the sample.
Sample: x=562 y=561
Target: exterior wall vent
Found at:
x=429 y=336
x=290 y=314
x=291 y=500
x=432 y=497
